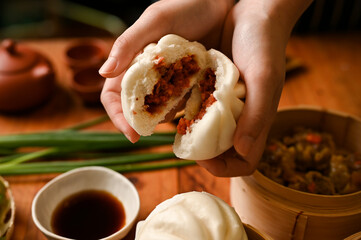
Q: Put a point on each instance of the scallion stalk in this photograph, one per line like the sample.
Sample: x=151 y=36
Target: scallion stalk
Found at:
x=27 y=157
x=116 y=160
x=90 y=140
x=70 y=141
x=135 y=167
x=152 y=166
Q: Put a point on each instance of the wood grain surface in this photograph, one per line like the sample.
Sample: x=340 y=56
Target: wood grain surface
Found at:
x=330 y=78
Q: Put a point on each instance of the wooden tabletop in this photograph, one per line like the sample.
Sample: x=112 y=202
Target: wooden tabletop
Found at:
x=331 y=78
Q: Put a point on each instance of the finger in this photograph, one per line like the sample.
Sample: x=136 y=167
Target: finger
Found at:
x=228 y=164
x=111 y=99
x=232 y=164
x=147 y=29
x=263 y=93
x=263 y=70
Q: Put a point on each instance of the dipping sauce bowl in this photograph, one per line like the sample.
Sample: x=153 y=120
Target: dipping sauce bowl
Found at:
x=76 y=182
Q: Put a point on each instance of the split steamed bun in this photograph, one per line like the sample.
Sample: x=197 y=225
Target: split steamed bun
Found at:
x=163 y=74
x=192 y=215
x=140 y=78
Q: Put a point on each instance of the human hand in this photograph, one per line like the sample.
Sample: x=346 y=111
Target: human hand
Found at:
x=256 y=35
x=200 y=20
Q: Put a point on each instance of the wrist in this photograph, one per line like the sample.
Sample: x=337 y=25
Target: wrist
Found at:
x=281 y=14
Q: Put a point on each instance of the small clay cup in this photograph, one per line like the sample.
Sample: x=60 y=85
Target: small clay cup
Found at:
x=88 y=84
x=85 y=53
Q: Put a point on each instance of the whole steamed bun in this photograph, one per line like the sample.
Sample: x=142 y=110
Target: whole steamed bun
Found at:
x=190 y=216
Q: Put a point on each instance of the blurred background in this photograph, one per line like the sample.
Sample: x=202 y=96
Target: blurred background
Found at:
x=65 y=18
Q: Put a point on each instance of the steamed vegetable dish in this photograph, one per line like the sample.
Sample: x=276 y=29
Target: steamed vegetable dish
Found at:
x=310 y=161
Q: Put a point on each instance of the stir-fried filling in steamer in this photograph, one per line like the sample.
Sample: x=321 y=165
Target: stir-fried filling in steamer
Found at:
x=309 y=160
x=206 y=87
x=173 y=79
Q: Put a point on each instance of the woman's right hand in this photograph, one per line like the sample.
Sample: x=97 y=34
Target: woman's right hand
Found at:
x=256 y=35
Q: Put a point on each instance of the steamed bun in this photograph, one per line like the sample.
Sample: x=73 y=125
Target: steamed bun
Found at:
x=189 y=216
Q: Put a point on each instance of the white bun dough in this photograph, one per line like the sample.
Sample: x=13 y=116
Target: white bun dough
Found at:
x=140 y=78
x=192 y=215
x=213 y=134
x=207 y=137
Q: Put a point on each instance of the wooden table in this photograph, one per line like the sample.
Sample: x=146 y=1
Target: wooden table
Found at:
x=331 y=79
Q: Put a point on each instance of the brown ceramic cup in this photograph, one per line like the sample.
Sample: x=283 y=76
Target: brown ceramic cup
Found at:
x=88 y=84
x=85 y=53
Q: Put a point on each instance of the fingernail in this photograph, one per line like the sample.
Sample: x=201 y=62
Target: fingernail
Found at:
x=127 y=136
x=109 y=65
x=131 y=138
x=245 y=145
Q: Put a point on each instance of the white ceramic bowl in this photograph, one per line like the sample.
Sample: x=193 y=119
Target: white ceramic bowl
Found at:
x=7 y=223
x=86 y=178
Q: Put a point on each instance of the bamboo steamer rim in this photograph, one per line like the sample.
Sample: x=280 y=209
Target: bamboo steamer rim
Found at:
x=356 y=236
x=11 y=224
x=321 y=118
x=255 y=234
x=319 y=109
x=311 y=203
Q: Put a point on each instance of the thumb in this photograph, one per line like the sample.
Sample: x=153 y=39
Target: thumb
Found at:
x=263 y=93
x=144 y=31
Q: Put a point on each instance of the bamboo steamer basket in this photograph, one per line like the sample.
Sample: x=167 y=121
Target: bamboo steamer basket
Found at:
x=7 y=222
x=255 y=234
x=284 y=213
x=356 y=236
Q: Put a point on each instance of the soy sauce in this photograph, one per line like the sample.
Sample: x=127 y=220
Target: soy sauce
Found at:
x=90 y=214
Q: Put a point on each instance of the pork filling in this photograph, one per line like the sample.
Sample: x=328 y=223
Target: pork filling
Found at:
x=206 y=87
x=174 y=78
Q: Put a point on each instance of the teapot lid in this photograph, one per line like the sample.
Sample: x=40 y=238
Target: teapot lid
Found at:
x=15 y=58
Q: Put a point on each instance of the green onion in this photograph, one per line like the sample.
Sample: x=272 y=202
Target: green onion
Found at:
x=152 y=166
x=122 y=159
x=27 y=157
x=89 y=140
x=135 y=167
x=10 y=157
x=119 y=151
x=5 y=151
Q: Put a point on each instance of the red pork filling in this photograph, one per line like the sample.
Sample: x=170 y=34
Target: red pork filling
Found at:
x=206 y=87
x=174 y=78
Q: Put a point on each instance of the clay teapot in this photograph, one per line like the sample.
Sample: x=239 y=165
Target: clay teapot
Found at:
x=27 y=78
